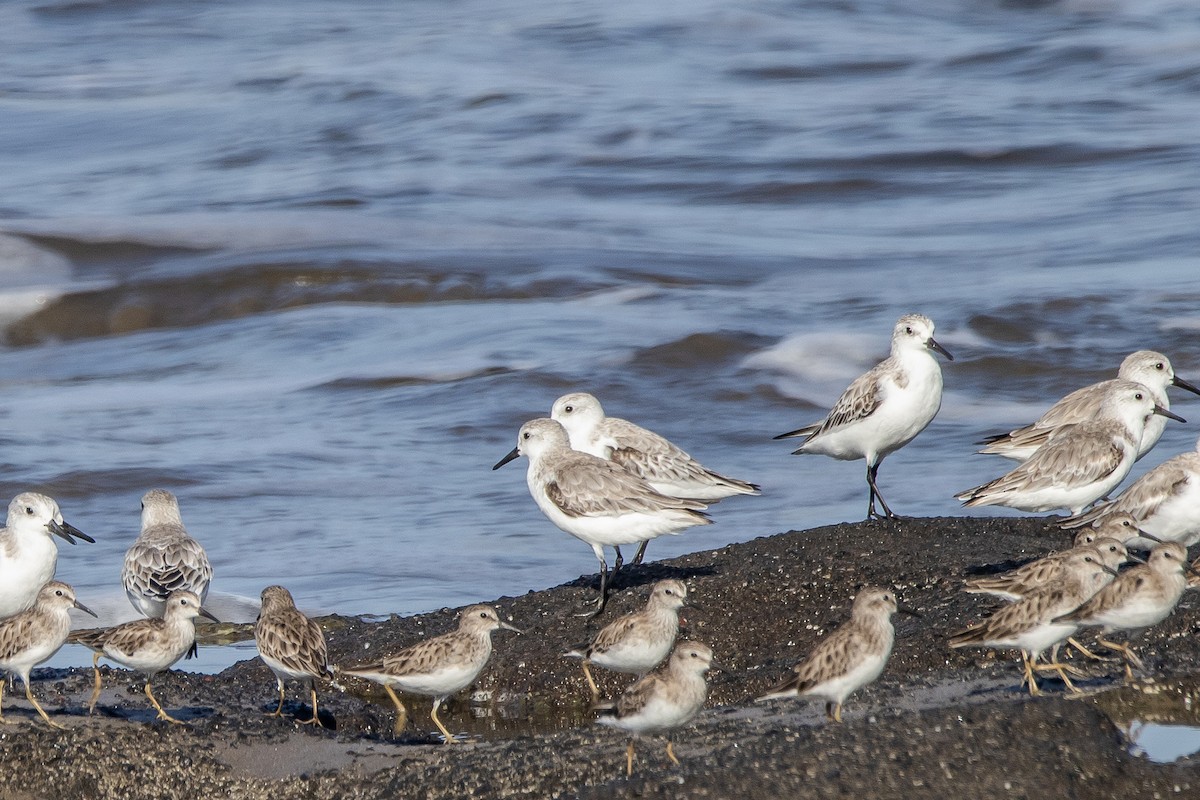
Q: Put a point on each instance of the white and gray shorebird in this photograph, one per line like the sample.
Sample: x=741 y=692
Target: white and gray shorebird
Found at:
x=663 y=465
x=1031 y=625
x=847 y=659
x=1079 y=465
x=1146 y=367
x=164 y=557
x=883 y=409
x=1140 y=597
x=292 y=645
x=1165 y=503
x=437 y=667
x=595 y=500
x=28 y=554
x=148 y=646
x=663 y=700
x=638 y=642
x=33 y=636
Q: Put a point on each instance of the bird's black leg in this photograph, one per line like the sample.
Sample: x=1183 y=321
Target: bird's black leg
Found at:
x=872 y=471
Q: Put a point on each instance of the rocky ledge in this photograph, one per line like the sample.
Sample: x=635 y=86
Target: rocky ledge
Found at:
x=937 y=722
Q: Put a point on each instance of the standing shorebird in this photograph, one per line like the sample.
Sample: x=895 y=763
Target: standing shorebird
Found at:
x=164 y=557
x=883 y=409
x=148 y=646
x=1146 y=367
x=291 y=644
x=663 y=700
x=33 y=636
x=1032 y=624
x=654 y=459
x=437 y=667
x=1140 y=597
x=28 y=554
x=638 y=642
x=595 y=500
x=849 y=658
x=1079 y=465
x=1165 y=502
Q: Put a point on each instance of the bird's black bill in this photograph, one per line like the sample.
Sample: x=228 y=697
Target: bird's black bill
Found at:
x=512 y=456
x=1162 y=412
x=912 y=612
x=1143 y=535
x=933 y=345
x=1182 y=384
x=205 y=613
x=84 y=609
x=68 y=531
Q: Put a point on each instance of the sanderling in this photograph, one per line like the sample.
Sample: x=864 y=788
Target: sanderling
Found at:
x=638 y=642
x=595 y=500
x=1050 y=569
x=437 y=667
x=1146 y=367
x=847 y=659
x=668 y=469
x=664 y=699
x=1140 y=597
x=885 y=408
x=33 y=636
x=291 y=644
x=1031 y=625
x=164 y=557
x=28 y=555
x=148 y=646
x=1080 y=464
x=1165 y=502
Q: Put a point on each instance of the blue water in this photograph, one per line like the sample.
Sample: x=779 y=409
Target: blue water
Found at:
x=311 y=265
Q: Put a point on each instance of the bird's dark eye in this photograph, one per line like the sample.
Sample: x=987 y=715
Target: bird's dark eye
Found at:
x=29 y=510
x=1160 y=366
x=908 y=330
x=569 y=409
x=525 y=435
x=1139 y=395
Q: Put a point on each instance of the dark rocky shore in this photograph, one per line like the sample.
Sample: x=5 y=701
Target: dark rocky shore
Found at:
x=939 y=722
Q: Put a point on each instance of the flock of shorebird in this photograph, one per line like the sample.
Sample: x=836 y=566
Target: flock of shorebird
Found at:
x=611 y=483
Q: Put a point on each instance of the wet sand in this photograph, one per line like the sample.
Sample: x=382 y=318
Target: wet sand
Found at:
x=938 y=721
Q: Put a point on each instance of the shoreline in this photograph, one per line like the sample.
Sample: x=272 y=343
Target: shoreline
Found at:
x=936 y=721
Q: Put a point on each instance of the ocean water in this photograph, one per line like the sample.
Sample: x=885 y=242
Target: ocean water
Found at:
x=310 y=266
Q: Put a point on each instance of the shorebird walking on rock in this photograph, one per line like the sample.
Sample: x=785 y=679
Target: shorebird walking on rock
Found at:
x=595 y=500
x=1146 y=367
x=883 y=409
x=437 y=667
x=849 y=658
x=663 y=700
x=1032 y=625
x=1140 y=597
x=148 y=646
x=638 y=642
x=667 y=468
x=33 y=637
x=291 y=644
